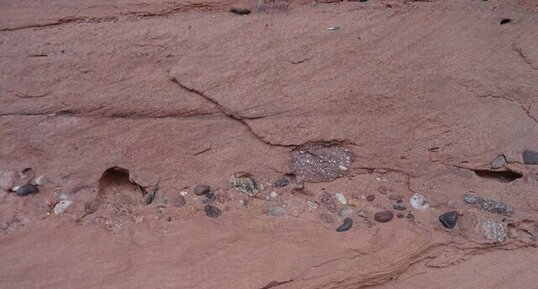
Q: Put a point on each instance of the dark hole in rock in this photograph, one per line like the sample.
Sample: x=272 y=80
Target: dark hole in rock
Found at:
x=322 y=162
x=505 y=21
x=501 y=176
x=116 y=180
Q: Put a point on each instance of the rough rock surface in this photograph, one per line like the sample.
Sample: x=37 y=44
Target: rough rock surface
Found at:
x=423 y=94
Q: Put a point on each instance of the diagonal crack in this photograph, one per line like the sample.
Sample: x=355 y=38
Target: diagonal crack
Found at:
x=524 y=56
x=230 y=114
x=526 y=109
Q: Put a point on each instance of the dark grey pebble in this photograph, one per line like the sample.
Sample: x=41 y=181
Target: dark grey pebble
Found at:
x=399 y=207
x=26 y=190
x=530 y=157
x=91 y=207
x=148 y=198
x=491 y=206
x=410 y=216
x=201 y=189
x=280 y=183
x=498 y=162
x=169 y=219
x=212 y=211
x=395 y=197
x=383 y=216
x=449 y=219
x=240 y=10
x=348 y=222
x=210 y=196
x=370 y=198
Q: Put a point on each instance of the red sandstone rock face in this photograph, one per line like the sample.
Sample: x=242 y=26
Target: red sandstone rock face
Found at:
x=423 y=95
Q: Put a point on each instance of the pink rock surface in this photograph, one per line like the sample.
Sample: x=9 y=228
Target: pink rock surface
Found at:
x=423 y=94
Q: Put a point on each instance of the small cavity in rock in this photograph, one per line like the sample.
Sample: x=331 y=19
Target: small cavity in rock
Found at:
x=212 y=211
x=348 y=222
x=505 y=21
x=26 y=190
x=498 y=162
x=383 y=216
x=370 y=198
x=505 y=176
x=449 y=219
x=530 y=157
x=201 y=189
x=240 y=10
x=395 y=197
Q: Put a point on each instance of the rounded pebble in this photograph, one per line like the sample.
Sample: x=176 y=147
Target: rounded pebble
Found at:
x=383 y=216
x=345 y=212
x=201 y=189
x=498 y=162
x=212 y=211
x=370 y=198
x=26 y=190
x=419 y=202
x=494 y=231
x=40 y=180
x=449 y=219
x=280 y=183
x=530 y=157
x=399 y=206
x=348 y=222
x=341 y=198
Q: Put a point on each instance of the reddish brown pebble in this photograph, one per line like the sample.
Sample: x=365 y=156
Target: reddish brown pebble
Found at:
x=201 y=190
x=400 y=215
x=382 y=190
x=383 y=216
x=327 y=218
x=370 y=198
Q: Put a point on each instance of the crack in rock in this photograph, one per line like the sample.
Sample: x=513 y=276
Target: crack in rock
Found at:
x=525 y=109
x=230 y=114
